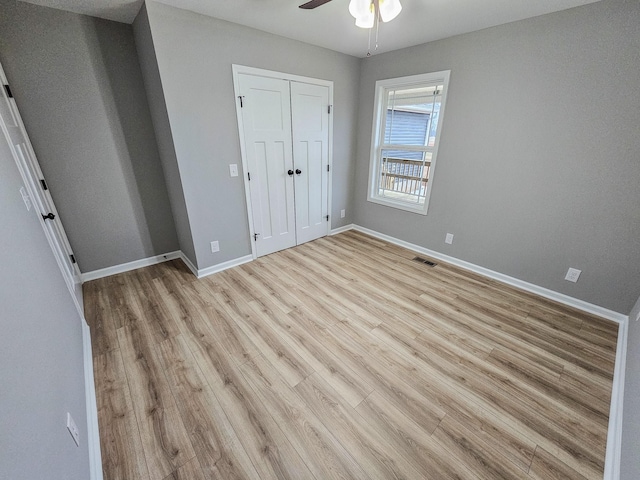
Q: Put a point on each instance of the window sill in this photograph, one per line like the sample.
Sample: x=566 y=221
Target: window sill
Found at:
x=400 y=205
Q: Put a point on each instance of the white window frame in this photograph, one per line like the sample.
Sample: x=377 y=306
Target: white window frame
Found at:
x=377 y=135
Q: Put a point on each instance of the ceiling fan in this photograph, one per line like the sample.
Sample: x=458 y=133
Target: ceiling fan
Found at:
x=313 y=4
x=365 y=11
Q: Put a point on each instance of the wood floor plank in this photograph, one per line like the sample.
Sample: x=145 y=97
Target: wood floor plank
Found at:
x=376 y=457
x=492 y=330
x=591 y=406
x=98 y=311
x=480 y=457
x=122 y=452
x=587 y=381
x=546 y=467
x=586 y=455
x=449 y=399
x=512 y=395
x=156 y=315
x=218 y=448
x=270 y=451
x=164 y=438
x=413 y=442
x=423 y=411
x=323 y=454
x=290 y=364
x=345 y=358
x=321 y=359
x=219 y=314
x=189 y=471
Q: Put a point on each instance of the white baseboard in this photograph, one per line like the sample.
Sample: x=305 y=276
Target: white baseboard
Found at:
x=222 y=266
x=189 y=264
x=344 y=228
x=93 y=433
x=125 y=267
x=145 y=262
x=521 y=284
x=614 y=432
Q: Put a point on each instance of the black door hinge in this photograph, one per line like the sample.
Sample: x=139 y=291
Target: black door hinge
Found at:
x=329 y=109
x=327 y=168
x=44 y=184
x=249 y=175
x=73 y=259
x=241 y=98
x=327 y=218
x=255 y=237
x=8 y=90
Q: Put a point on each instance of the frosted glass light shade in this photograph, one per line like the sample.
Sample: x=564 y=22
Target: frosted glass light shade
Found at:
x=359 y=8
x=365 y=21
x=389 y=9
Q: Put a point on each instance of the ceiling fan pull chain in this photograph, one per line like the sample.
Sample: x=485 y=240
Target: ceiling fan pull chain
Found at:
x=369 y=46
x=377 y=29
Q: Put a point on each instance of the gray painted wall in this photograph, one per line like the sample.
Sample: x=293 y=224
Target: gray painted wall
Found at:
x=41 y=361
x=538 y=165
x=78 y=85
x=198 y=87
x=164 y=137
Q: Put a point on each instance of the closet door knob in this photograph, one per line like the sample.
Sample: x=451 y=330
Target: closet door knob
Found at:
x=298 y=171
x=48 y=216
x=290 y=172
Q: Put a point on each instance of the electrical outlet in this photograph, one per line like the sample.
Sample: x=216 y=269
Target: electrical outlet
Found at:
x=233 y=170
x=573 y=275
x=449 y=238
x=342 y=213
x=215 y=247
x=73 y=429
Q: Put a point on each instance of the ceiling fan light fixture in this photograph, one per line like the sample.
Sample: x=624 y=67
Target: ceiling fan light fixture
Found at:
x=389 y=9
x=360 y=8
x=365 y=21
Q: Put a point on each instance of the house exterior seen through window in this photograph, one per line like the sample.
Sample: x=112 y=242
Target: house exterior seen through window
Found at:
x=405 y=140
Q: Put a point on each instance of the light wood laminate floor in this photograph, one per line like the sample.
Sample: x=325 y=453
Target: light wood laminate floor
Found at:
x=344 y=358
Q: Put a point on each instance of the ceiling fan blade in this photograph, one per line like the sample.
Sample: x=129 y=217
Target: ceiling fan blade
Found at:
x=313 y=4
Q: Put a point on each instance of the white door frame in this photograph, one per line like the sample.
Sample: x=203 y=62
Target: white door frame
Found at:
x=241 y=69
x=41 y=200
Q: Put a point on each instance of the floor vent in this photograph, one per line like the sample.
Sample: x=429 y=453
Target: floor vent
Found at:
x=425 y=261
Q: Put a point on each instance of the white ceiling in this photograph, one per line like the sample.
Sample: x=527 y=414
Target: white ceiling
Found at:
x=124 y=11
x=331 y=26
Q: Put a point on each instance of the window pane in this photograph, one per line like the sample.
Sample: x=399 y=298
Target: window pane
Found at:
x=412 y=116
x=404 y=175
x=404 y=142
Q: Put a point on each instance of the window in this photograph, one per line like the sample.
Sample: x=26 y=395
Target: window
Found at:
x=406 y=133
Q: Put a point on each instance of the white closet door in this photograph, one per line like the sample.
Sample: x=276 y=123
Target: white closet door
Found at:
x=310 y=117
x=266 y=119
x=15 y=134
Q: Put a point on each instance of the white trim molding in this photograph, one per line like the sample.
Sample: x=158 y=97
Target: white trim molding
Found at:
x=145 y=262
x=344 y=228
x=189 y=264
x=126 y=267
x=215 y=268
x=223 y=266
x=614 y=433
x=514 y=282
x=93 y=433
